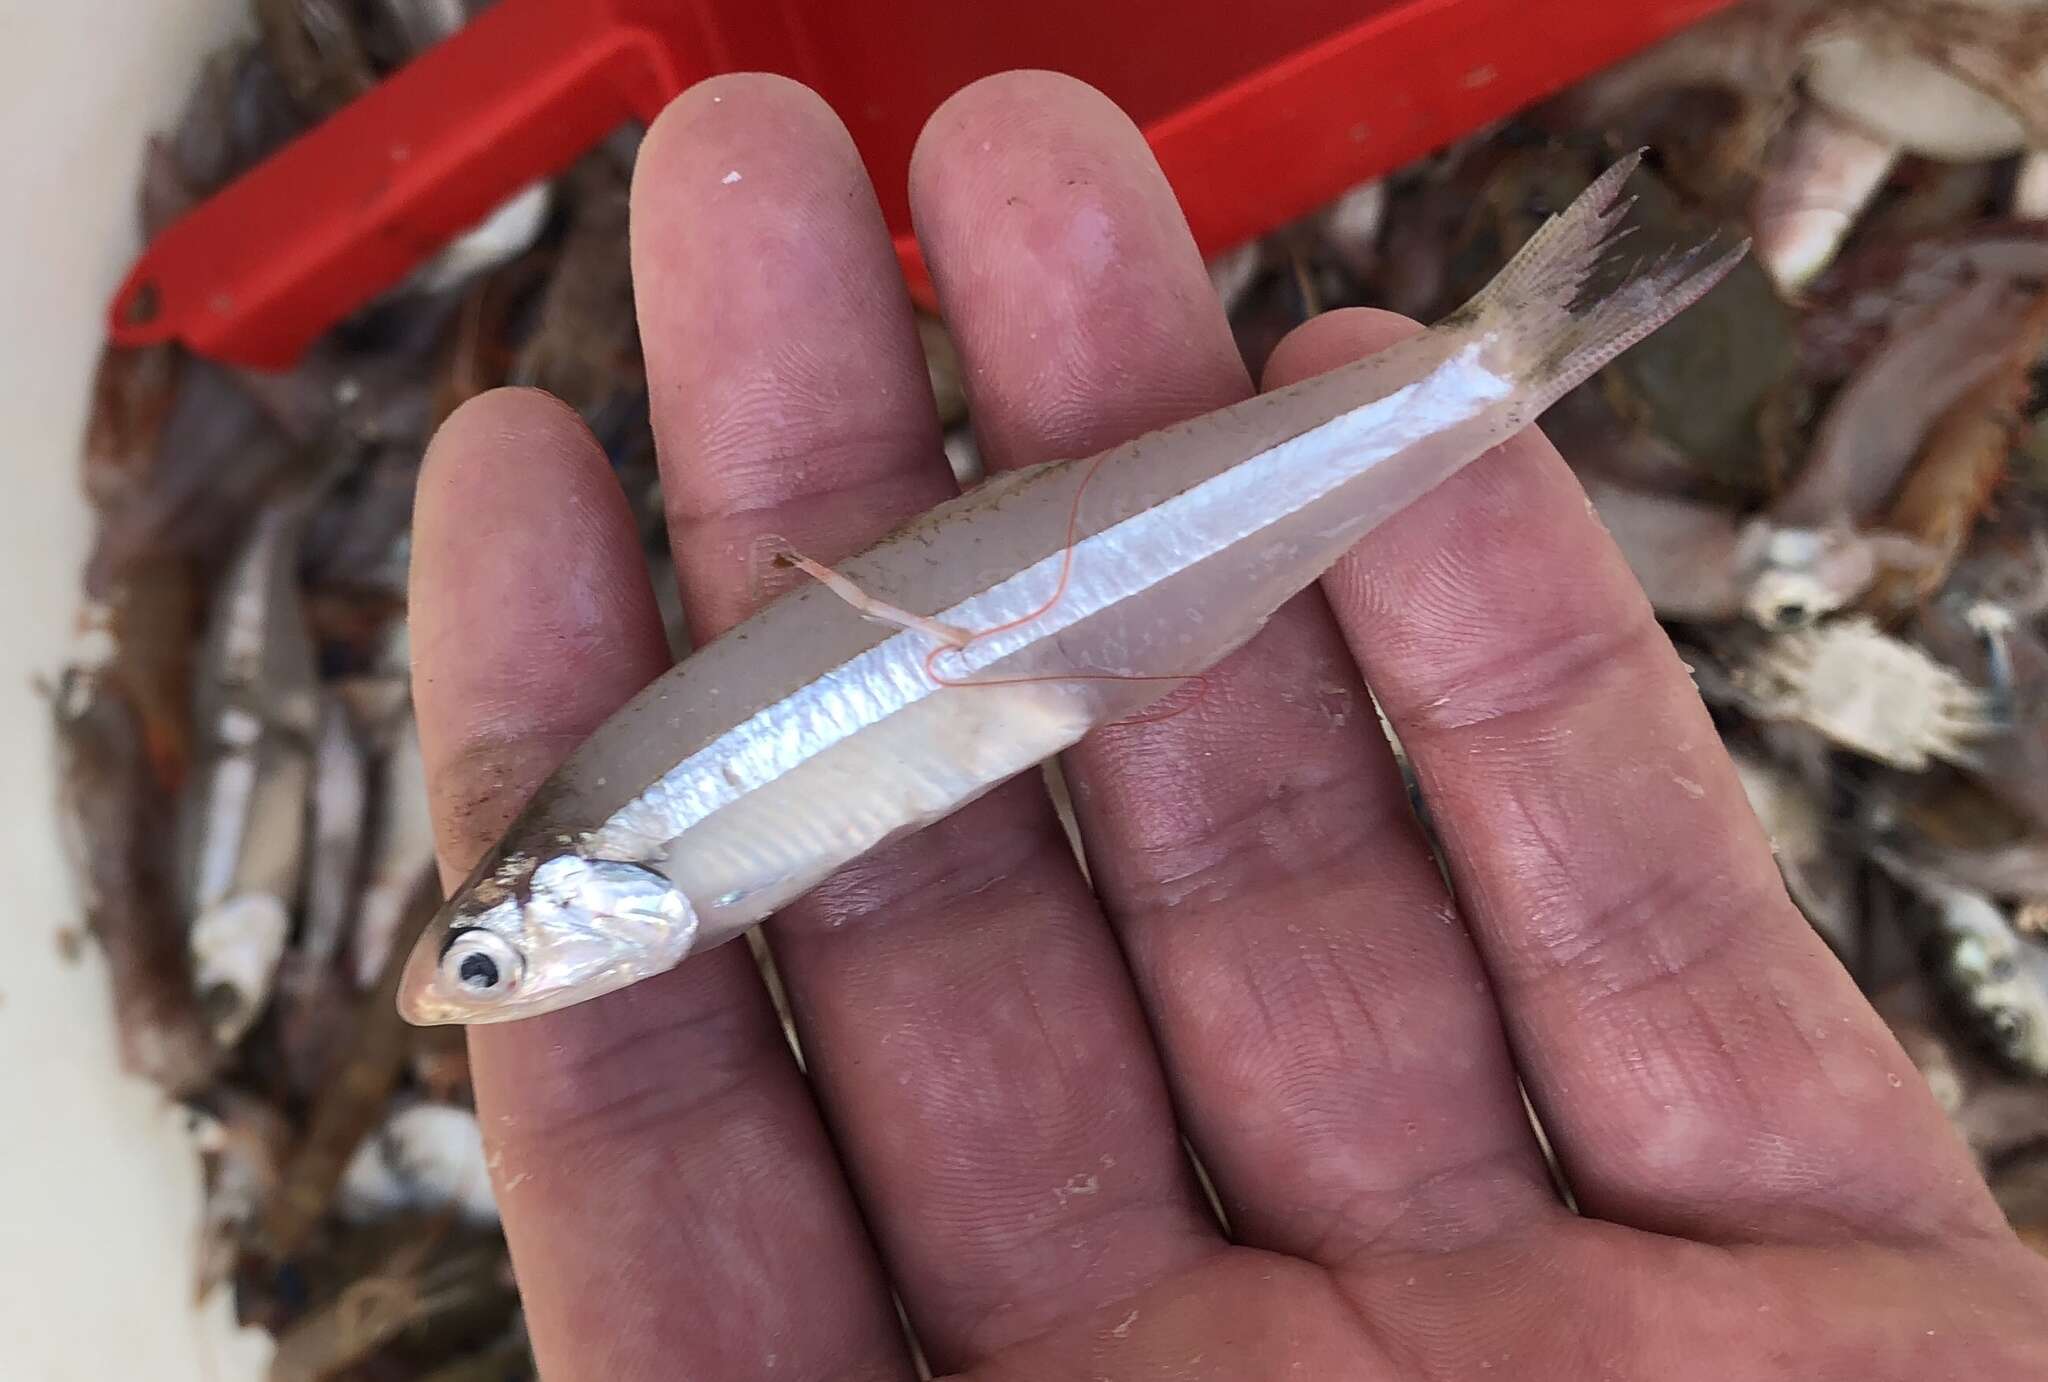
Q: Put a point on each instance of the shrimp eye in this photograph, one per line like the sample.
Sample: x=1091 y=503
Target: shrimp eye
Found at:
x=480 y=962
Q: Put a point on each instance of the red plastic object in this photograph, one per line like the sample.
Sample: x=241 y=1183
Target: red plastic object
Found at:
x=1257 y=114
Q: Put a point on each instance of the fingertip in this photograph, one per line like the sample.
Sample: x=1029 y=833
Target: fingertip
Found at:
x=482 y=426
x=1050 y=156
x=1334 y=338
x=724 y=114
x=1063 y=261
x=782 y=356
x=530 y=609
x=993 y=110
x=513 y=463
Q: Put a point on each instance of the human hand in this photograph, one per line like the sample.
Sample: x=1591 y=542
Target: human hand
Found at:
x=1002 y=1060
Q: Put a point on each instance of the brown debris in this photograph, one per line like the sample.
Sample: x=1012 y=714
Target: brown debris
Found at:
x=316 y=49
x=353 y=1101
x=1878 y=421
x=154 y=619
x=420 y=1284
x=243 y=1142
x=132 y=394
x=585 y=344
x=1863 y=300
x=116 y=819
x=218 y=457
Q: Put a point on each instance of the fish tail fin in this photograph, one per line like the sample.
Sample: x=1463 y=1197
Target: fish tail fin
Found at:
x=1579 y=293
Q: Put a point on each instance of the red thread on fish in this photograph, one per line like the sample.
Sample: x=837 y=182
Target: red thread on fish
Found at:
x=1059 y=591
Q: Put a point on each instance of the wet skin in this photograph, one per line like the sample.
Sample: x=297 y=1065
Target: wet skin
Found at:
x=1003 y=1060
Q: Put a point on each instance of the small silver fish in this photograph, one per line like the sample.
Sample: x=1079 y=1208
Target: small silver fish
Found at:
x=1996 y=977
x=1063 y=597
x=403 y=849
x=340 y=795
x=257 y=707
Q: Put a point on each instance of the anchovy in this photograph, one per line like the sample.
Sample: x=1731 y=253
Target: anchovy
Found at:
x=1061 y=597
x=334 y=845
x=257 y=708
x=403 y=849
x=1996 y=978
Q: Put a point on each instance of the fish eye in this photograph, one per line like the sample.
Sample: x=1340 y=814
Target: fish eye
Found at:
x=479 y=961
x=2007 y=1024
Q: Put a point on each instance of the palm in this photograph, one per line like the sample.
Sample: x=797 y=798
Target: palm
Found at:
x=1005 y=1057
x=1575 y=1302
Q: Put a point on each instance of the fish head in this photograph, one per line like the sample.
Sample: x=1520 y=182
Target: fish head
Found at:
x=530 y=936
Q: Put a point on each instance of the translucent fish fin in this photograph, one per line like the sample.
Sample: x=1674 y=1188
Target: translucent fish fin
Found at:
x=1581 y=292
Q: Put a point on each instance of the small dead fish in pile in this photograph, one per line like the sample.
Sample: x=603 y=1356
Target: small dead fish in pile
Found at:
x=339 y=802
x=218 y=455
x=585 y=344
x=1929 y=362
x=316 y=1010
x=2016 y=873
x=402 y=849
x=1960 y=467
x=349 y=1105
x=257 y=708
x=243 y=1143
x=1928 y=417
x=1997 y=978
x=1818 y=866
x=241 y=779
x=1876 y=287
x=114 y=815
x=1999 y=1113
x=424 y=1285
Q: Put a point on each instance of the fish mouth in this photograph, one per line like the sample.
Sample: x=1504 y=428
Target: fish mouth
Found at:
x=420 y=1000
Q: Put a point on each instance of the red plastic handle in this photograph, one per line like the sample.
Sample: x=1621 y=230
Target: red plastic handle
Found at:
x=258 y=271
x=1257 y=117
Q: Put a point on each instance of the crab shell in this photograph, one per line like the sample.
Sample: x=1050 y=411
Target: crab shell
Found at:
x=1868 y=692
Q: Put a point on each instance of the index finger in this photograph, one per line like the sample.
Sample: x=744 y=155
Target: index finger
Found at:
x=655 y=1152
x=1700 y=1059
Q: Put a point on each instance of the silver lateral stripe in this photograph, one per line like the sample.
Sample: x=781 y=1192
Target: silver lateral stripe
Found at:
x=1113 y=565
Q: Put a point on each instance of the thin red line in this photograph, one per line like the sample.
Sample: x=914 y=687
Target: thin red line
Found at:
x=1059 y=592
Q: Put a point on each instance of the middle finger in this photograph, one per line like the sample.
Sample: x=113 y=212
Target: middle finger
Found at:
x=968 y=1023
